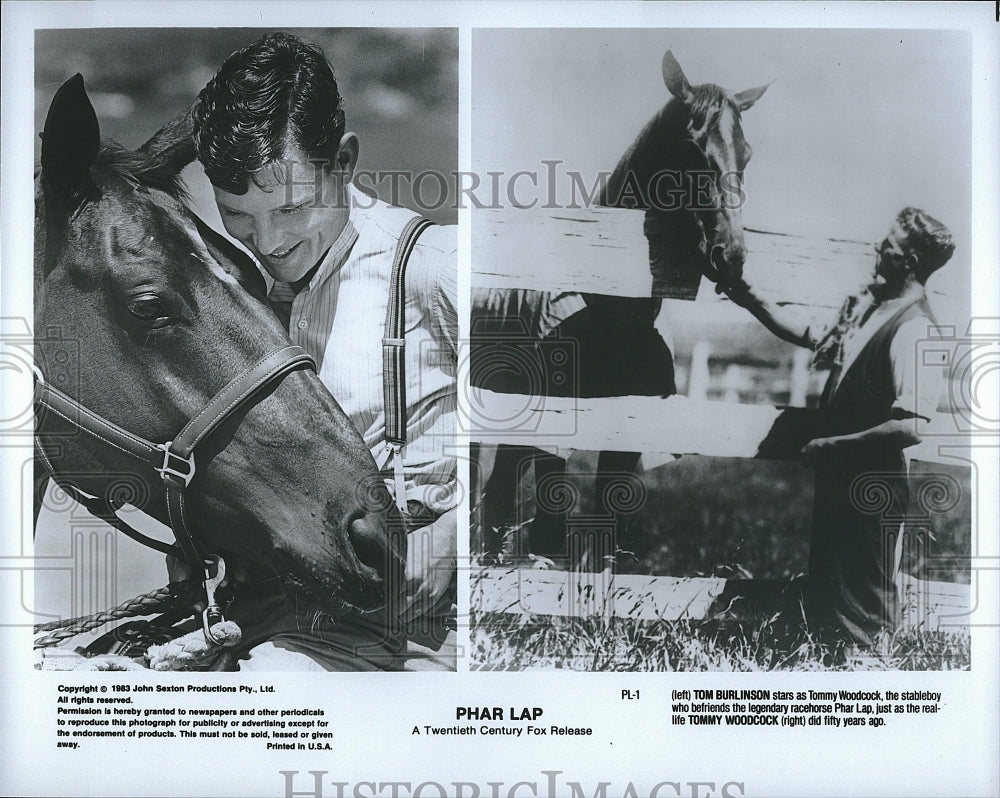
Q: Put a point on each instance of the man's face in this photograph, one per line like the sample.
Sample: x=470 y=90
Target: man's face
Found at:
x=890 y=261
x=292 y=221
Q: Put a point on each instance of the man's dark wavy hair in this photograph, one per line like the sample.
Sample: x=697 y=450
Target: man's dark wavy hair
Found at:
x=929 y=240
x=276 y=92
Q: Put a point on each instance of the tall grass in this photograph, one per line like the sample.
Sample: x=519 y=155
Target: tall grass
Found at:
x=511 y=642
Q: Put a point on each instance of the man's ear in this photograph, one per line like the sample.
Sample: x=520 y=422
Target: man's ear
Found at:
x=347 y=155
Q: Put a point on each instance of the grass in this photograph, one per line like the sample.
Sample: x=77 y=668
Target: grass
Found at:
x=732 y=518
x=511 y=642
x=761 y=627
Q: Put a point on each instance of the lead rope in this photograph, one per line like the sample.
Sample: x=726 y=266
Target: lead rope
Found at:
x=193 y=651
x=394 y=359
x=165 y=598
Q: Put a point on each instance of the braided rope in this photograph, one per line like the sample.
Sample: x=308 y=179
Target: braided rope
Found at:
x=148 y=603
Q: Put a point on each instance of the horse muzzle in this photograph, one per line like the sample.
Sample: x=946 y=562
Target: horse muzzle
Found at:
x=726 y=263
x=334 y=592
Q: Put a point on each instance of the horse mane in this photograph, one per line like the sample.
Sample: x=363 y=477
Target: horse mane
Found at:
x=706 y=102
x=649 y=152
x=136 y=169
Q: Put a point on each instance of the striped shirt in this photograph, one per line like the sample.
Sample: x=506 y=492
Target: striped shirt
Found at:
x=339 y=319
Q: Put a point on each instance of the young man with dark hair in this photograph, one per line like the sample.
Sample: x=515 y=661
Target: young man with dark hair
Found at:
x=270 y=132
x=875 y=404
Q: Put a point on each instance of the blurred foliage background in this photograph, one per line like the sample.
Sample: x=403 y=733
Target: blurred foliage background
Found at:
x=400 y=87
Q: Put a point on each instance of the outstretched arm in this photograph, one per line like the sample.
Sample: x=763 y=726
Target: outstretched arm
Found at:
x=786 y=324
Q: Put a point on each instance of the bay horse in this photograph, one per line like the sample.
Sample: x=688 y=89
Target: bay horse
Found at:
x=685 y=172
x=146 y=319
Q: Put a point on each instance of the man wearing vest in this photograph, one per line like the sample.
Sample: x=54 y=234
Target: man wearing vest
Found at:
x=270 y=132
x=873 y=410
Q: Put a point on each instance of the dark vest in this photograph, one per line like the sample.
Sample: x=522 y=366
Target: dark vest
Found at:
x=867 y=392
x=860 y=497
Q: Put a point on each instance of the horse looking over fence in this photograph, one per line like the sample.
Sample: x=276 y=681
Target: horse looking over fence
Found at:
x=685 y=171
x=143 y=316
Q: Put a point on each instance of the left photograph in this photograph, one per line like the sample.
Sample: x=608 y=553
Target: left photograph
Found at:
x=245 y=349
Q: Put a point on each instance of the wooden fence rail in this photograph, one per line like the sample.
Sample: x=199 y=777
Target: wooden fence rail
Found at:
x=676 y=425
x=604 y=251
x=927 y=605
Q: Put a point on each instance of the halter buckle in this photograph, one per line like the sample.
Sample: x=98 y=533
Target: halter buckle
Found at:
x=169 y=471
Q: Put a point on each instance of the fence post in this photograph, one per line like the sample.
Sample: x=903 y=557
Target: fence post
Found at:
x=698 y=379
x=799 y=383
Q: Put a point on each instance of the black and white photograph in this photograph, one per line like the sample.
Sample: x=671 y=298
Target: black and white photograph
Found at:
x=699 y=255
x=224 y=375
x=567 y=399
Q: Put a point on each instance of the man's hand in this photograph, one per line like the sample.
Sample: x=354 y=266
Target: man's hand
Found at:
x=818 y=449
x=738 y=292
x=893 y=434
x=430 y=564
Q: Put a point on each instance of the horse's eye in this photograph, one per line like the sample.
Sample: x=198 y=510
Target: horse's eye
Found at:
x=147 y=308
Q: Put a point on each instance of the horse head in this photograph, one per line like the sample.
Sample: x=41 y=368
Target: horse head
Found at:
x=142 y=315
x=685 y=169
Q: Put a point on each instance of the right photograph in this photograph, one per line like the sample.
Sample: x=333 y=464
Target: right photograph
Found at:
x=720 y=348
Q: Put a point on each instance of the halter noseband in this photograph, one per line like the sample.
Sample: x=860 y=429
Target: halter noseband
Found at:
x=174 y=460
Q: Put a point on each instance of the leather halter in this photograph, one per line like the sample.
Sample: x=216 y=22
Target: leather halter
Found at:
x=174 y=460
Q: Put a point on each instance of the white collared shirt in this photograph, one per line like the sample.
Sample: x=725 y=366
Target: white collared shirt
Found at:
x=339 y=319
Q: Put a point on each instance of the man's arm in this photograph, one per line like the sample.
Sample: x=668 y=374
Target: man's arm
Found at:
x=431 y=559
x=892 y=434
x=786 y=324
x=918 y=379
x=444 y=299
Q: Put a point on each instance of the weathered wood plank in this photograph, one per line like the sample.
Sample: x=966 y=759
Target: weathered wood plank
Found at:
x=927 y=605
x=675 y=425
x=603 y=250
x=580 y=595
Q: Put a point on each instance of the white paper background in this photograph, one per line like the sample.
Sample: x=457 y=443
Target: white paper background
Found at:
x=952 y=753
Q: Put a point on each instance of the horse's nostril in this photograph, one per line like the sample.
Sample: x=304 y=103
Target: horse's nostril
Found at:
x=368 y=539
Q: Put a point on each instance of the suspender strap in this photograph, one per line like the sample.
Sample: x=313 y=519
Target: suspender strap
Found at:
x=394 y=353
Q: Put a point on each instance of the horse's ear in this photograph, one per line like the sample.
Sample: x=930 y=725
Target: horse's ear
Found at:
x=674 y=78
x=70 y=142
x=234 y=260
x=747 y=98
x=174 y=142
